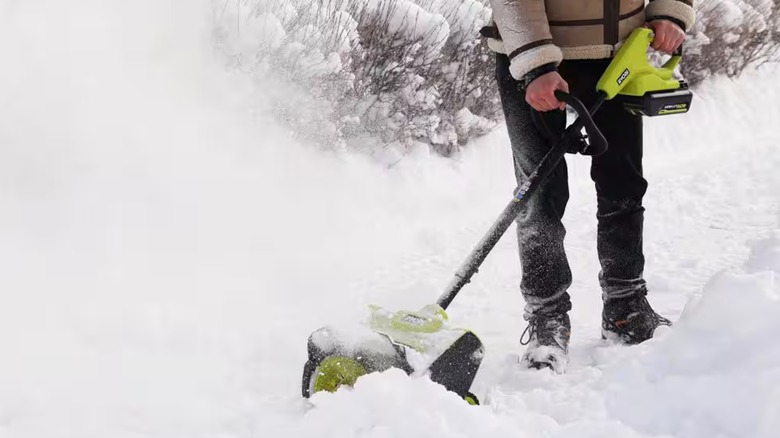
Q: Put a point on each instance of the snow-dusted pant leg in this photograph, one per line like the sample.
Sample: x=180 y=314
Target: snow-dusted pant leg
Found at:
x=620 y=185
x=620 y=188
x=540 y=232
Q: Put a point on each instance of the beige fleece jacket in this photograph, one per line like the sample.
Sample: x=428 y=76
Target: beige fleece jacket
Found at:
x=534 y=33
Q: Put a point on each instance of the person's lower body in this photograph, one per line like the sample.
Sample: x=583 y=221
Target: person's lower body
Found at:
x=620 y=188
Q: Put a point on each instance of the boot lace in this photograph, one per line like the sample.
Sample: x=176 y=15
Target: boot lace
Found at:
x=529 y=332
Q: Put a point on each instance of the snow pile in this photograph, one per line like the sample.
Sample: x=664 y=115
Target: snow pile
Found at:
x=391 y=404
x=718 y=372
x=388 y=76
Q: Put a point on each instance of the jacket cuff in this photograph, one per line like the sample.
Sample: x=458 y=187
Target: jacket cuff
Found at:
x=679 y=23
x=526 y=61
x=538 y=71
x=680 y=10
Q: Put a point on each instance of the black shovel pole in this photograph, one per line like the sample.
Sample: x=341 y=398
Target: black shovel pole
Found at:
x=597 y=145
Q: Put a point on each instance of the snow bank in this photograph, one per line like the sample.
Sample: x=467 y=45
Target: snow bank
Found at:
x=718 y=372
x=392 y=405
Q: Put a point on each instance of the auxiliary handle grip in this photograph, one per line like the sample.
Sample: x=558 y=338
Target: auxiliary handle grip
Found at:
x=597 y=143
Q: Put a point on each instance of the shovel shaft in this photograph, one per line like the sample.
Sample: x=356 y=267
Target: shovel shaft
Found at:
x=550 y=161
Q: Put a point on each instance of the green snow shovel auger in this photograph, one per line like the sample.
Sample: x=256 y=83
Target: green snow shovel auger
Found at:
x=421 y=342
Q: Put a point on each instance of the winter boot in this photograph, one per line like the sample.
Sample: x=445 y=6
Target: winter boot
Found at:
x=547 y=338
x=630 y=320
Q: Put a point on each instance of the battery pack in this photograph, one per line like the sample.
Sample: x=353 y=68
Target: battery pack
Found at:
x=660 y=103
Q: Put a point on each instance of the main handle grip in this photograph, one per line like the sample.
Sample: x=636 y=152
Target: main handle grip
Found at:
x=630 y=71
x=597 y=143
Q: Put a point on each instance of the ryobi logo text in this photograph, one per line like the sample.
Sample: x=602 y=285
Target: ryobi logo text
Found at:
x=623 y=77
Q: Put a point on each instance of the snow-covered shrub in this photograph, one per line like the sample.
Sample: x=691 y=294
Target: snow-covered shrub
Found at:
x=732 y=35
x=407 y=72
x=393 y=76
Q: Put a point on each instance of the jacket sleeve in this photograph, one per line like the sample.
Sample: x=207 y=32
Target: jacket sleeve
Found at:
x=526 y=36
x=678 y=11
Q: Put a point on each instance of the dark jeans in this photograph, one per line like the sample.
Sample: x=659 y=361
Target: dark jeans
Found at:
x=619 y=186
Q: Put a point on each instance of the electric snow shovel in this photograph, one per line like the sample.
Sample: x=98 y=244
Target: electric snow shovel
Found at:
x=421 y=342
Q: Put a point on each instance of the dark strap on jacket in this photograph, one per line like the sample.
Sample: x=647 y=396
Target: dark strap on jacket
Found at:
x=611 y=21
x=530 y=46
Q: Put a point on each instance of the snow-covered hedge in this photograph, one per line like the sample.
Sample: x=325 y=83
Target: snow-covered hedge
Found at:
x=412 y=73
x=392 y=76
x=732 y=35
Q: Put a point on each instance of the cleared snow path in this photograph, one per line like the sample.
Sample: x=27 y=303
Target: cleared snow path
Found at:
x=165 y=251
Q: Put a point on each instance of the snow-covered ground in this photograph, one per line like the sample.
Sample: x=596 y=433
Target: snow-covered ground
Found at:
x=165 y=250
